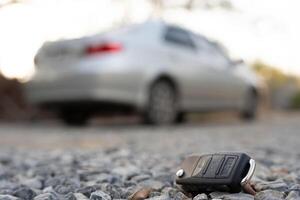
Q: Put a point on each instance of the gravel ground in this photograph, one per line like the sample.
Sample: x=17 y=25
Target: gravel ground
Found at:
x=47 y=161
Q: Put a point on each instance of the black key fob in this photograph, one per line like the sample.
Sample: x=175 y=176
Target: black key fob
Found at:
x=227 y=172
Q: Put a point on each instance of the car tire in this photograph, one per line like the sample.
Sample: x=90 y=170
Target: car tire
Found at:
x=250 y=106
x=162 y=104
x=72 y=118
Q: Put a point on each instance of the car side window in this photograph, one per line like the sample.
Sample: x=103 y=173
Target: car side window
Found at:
x=180 y=37
x=219 y=54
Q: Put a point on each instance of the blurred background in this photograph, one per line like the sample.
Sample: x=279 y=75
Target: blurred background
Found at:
x=263 y=33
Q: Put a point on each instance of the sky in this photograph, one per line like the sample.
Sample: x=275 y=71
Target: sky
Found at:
x=266 y=30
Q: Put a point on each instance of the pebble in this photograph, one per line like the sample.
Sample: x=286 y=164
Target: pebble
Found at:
x=80 y=196
x=269 y=195
x=33 y=183
x=86 y=191
x=99 y=195
x=8 y=197
x=234 y=196
x=293 y=195
x=161 y=197
x=278 y=185
x=180 y=196
x=46 y=196
x=24 y=193
x=201 y=197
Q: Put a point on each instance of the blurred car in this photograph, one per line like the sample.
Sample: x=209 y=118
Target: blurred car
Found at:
x=157 y=69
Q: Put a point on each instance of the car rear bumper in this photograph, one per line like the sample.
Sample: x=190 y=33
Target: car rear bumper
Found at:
x=78 y=88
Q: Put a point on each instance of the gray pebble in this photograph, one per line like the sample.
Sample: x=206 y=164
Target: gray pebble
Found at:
x=140 y=178
x=201 y=197
x=113 y=190
x=170 y=191
x=180 y=196
x=80 y=196
x=69 y=196
x=161 y=197
x=154 y=194
x=46 y=196
x=156 y=185
x=64 y=189
x=24 y=193
x=8 y=197
x=99 y=195
x=33 y=183
x=269 y=195
x=86 y=191
x=278 y=185
x=231 y=196
x=293 y=195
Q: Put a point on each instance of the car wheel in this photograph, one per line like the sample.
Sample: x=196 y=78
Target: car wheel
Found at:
x=250 y=107
x=162 y=104
x=73 y=118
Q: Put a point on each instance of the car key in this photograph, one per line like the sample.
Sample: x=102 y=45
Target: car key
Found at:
x=228 y=172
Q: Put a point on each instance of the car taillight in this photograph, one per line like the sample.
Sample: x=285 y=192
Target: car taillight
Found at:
x=104 y=48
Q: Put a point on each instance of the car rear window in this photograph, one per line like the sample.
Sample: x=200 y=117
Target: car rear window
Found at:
x=180 y=37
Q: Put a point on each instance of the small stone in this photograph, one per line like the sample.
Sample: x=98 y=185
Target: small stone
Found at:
x=61 y=189
x=143 y=193
x=216 y=195
x=154 y=194
x=126 y=171
x=161 y=197
x=180 y=196
x=293 y=195
x=6 y=191
x=69 y=196
x=201 y=197
x=156 y=185
x=87 y=191
x=99 y=195
x=46 y=196
x=170 y=191
x=295 y=187
x=24 y=193
x=269 y=195
x=231 y=196
x=49 y=190
x=8 y=197
x=52 y=182
x=277 y=185
x=33 y=183
x=165 y=178
x=106 y=178
x=114 y=191
x=140 y=178
x=80 y=196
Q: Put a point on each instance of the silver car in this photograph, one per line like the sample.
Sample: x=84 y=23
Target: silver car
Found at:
x=159 y=70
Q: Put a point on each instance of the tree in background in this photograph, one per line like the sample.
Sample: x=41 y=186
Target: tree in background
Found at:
x=284 y=89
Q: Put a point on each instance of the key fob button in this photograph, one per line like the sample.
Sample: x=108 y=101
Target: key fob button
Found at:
x=202 y=165
x=213 y=167
x=227 y=167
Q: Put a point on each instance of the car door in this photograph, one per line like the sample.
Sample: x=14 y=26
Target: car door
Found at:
x=226 y=88
x=183 y=56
